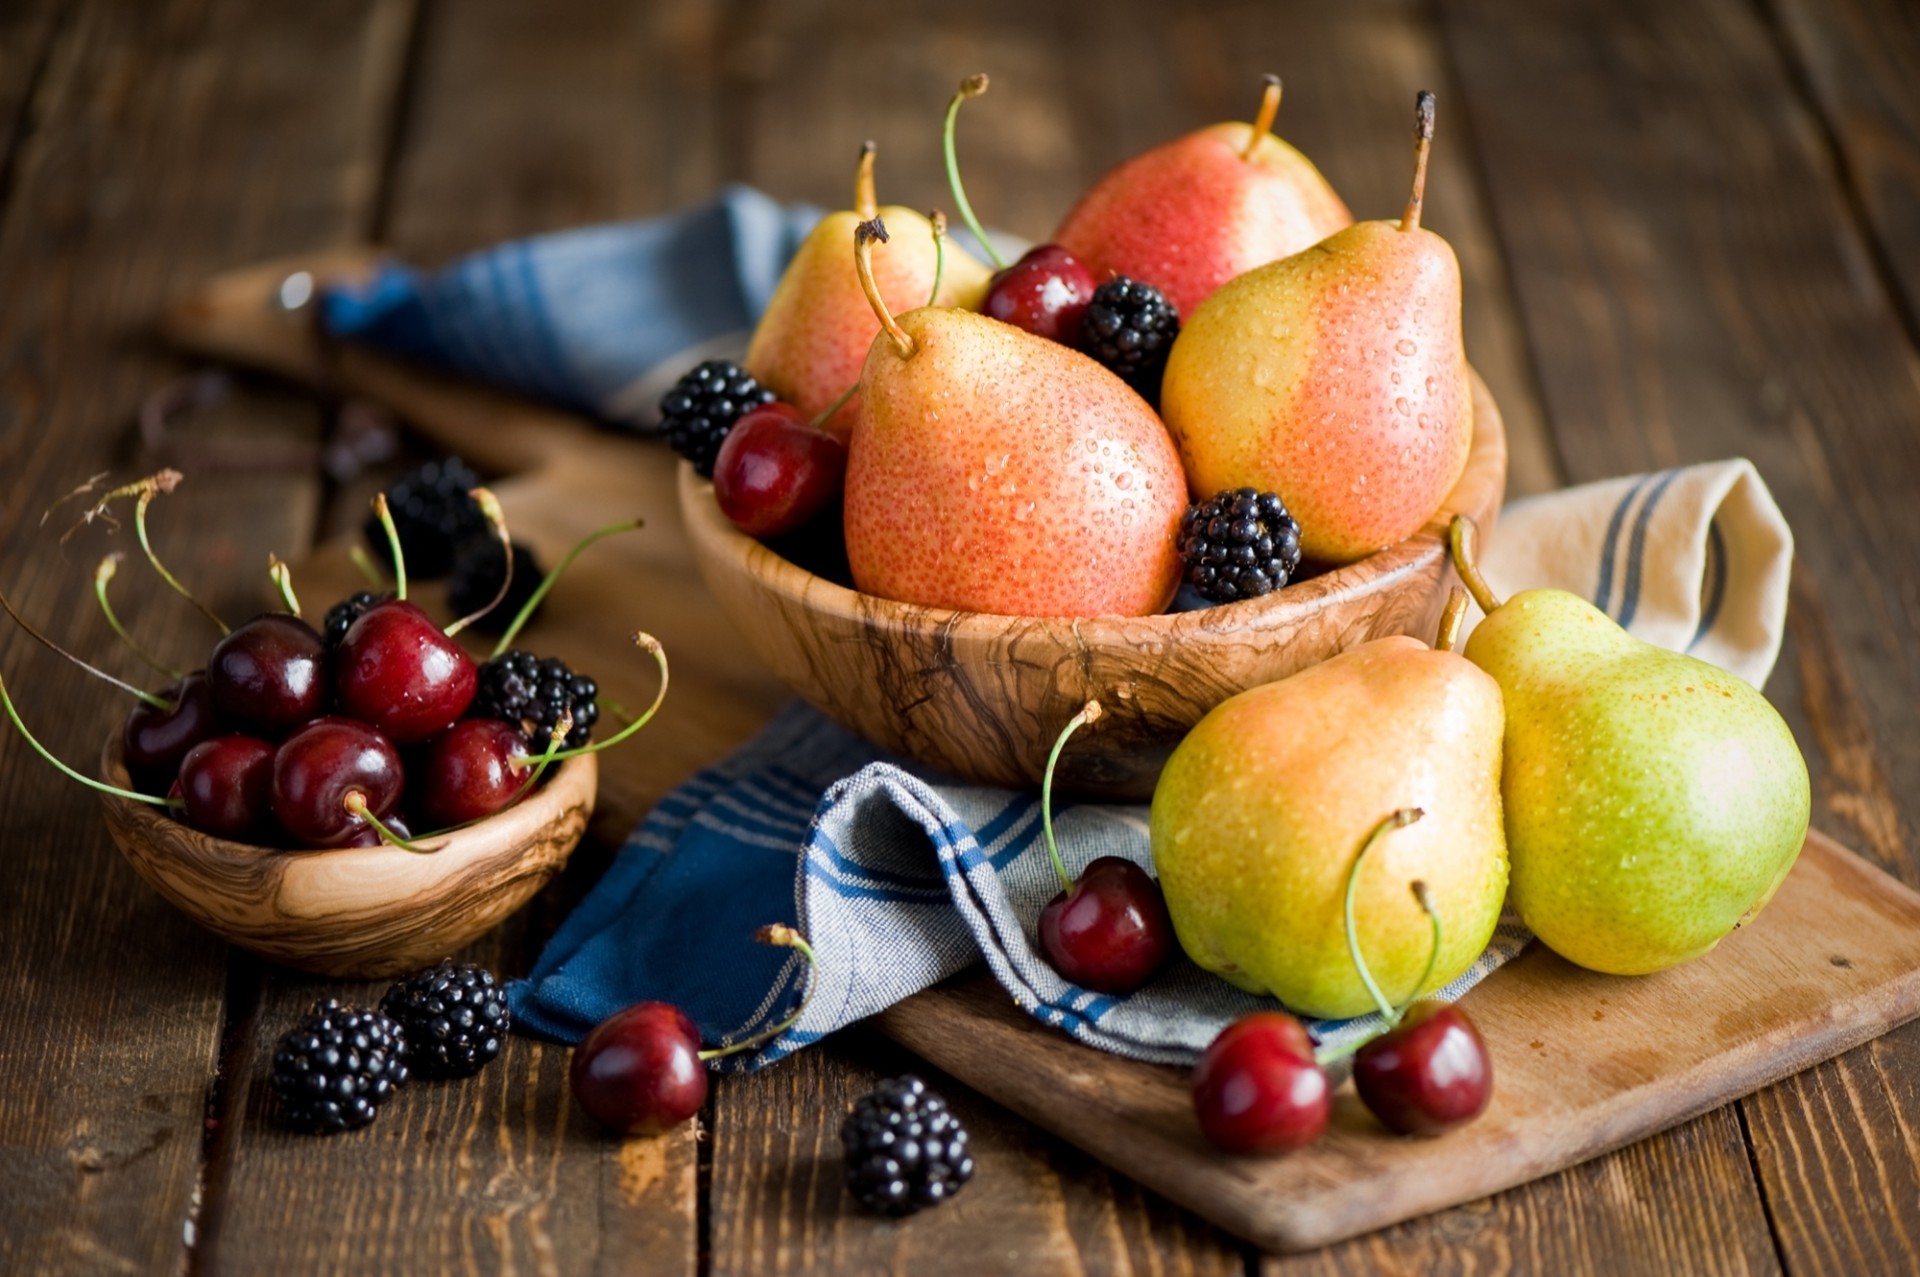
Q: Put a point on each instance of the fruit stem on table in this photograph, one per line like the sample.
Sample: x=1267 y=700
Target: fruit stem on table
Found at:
x=778 y=933
x=1463 y=536
x=1263 y=121
x=863 y=237
x=971 y=87
x=546 y=583
x=1089 y=713
x=34 y=743
x=1422 y=143
x=109 y=566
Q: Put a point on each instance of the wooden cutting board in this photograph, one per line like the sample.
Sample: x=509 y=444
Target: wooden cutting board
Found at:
x=1583 y=1063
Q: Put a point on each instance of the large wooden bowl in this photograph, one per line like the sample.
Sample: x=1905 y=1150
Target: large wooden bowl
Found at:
x=360 y=912
x=982 y=697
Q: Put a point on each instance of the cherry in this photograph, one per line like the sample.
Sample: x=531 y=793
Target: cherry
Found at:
x=470 y=771
x=1257 y=1088
x=227 y=785
x=320 y=770
x=1046 y=292
x=1427 y=1074
x=640 y=1072
x=269 y=675
x=153 y=741
x=776 y=470
x=395 y=669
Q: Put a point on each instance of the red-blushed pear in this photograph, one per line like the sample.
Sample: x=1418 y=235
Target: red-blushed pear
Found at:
x=1335 y=377
x=1188 y=216
x=813 y=338
x=991 y=470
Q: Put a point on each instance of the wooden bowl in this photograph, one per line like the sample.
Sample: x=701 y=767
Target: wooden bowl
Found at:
x=360 y=912
x=982 y=697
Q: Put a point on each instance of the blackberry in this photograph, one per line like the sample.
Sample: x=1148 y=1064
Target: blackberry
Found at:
x=477 y=567
x=433 y=514
x=335 y=1071
x=519 y=687
x=702 y=407
x=453 y=1018
x=1129 y=326
x=342 y=615
x=1240 y=545
x=904 y=1150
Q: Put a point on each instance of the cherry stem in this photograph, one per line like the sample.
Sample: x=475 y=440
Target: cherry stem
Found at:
x=555 y=739
x=98 y=511
x=283 y=581
x=385 y=516
x=546 y=583
x=866 y=206
x=497 y=524
x=1269 y=107
x=1425 y=900
x=103 y=574
x=1398 y=820
x=863 y=236
x=820 y=422
x=971 y=87
x=1422 y=143
x=140 y=531
x=1089 y=713
x=356 y=802
x=1456 y=611
x=368 y=569
x=938 y=221
x=159 y=703
x=88 y=781
x=781 y=934
x=1463 y=538
x=651 y=645
x=144 y=490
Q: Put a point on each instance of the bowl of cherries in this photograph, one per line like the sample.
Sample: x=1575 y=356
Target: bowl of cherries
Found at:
x=358 y=799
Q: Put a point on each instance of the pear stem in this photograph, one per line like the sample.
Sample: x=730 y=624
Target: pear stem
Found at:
x=1398 y=820
x=1089 y=713
x=651 y=645
x=820 y=422
x=356 y=802
x=385 y=516
x=546 y=583
x=283 y=582
x=1269 y=108
x=1422 y=143
x=1456 y=612
x=866 y=206
x=863 y=236
x=971 y=87
x=1463 y=539
x=497 y=524
x=781 y=934
x=938 y=221
x=147 y=697
x=88 y=781
x=103 y=574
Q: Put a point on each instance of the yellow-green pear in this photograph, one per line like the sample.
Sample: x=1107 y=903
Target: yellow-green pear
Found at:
x=812 y=341
x=1654 y=802
x=1264 y=808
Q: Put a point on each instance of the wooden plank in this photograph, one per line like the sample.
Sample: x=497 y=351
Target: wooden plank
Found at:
x=167 y=140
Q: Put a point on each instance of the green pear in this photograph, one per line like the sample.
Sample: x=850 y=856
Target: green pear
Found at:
x=1654 y=802
x=1336 y=377
x=1263 y=809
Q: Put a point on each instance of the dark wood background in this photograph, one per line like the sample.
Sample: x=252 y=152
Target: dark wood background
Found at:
x=1689 y=230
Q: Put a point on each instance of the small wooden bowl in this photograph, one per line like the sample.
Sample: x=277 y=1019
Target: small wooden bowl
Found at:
x=358 y=912
x=982 y=697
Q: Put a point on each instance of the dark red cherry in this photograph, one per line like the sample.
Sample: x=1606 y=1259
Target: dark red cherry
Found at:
x=269 y=676
x=1257 y=1089
x=1045 y=292
x=468 y=772
x=154 y=740
x=640 y=1072
x=1111 y=933
x=227 y=783
x=775 y=471
x=1427 y=1074
x=396 y=669
x=319 y=766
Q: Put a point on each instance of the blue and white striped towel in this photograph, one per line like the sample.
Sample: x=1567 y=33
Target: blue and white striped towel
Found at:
x=898 y=878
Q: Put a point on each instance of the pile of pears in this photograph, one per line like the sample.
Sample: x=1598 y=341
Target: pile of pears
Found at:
x=992 y=466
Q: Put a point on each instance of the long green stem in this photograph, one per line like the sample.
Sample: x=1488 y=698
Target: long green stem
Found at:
x=1398 y=820
x=781 y=934
x=971 y=87
x=283 y=581
x=938 y=221
x=385 y=516
x=820 y=422
x=1425 y=899
x=368 y=569
x=546 y=583
x=88 y=781
x=148 y=698
x=651 y=645
x=101 y=576
x=497 y=523
x=140 y=530
x=1463 y=537
x=1089 y=713
x=356 y=803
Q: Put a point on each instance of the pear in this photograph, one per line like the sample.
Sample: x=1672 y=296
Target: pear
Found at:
x=991 y=470
x=811 y=342
x=1263 y=809
x=1653 y=802
x=1337 y=378
x=1190 y=215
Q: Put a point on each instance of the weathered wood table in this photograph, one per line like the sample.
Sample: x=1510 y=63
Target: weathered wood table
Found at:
x=1689 y=231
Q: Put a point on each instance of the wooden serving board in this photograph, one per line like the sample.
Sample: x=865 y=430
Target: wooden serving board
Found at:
x=1584 y=1063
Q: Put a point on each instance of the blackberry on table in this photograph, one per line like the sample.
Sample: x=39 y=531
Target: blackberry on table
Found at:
x=335 y=1071
x=453 y=1018
x=477 y=568
x=342 y=615
x=1129 y=326
x=519 y=687
x=1240 y=545
x=702 y=407
x=433 y=514
x=904 y=1150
